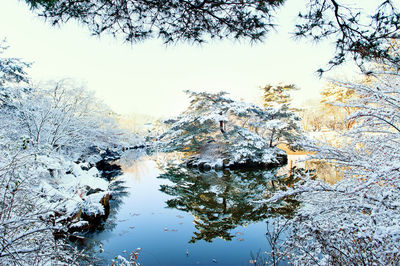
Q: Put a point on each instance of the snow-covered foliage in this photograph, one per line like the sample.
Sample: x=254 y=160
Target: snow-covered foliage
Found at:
x=70 y=191
x=357 y=220
x=66 y=116
x=217 y=128
x=244 y=145
x=12 y=70
x=43 y=190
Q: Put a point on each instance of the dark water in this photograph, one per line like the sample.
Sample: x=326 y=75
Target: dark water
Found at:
x=185 y=217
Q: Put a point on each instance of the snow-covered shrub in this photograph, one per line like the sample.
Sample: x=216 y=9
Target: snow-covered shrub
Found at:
x=27 y=217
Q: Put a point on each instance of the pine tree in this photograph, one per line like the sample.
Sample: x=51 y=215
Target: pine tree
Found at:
x=359 y=33
x=222 y=132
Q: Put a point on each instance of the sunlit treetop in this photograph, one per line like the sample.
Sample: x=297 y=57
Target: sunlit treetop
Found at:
x=360 y=34
x=277 y=94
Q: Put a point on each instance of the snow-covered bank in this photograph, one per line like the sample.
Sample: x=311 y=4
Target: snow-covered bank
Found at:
x=81 y=191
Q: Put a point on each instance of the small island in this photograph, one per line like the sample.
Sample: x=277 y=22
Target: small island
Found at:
x=217 y=132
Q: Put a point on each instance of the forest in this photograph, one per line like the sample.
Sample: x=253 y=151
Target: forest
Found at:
x=63 y=150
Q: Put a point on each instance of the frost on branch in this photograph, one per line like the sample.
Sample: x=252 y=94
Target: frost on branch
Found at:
x=355 y=221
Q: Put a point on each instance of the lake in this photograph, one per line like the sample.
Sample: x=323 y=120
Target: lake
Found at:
x=187 y=217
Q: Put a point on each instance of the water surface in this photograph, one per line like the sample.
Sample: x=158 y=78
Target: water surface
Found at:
x=187 y=217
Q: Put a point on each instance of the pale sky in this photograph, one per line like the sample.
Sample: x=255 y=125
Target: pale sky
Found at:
x=149 y=77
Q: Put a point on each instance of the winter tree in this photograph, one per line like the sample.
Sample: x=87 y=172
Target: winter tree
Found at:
x=44 y=192
x=277 y=95
x=355 y=221
x=63 y=114
x=222 y=132
x=332 y=95
x=277 y=99
x=25 y=236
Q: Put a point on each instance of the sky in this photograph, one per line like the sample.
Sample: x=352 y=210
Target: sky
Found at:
x=149 y=78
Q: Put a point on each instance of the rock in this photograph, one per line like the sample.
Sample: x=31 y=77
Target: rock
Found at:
x=135 y=147
x=108 y=169
x=92 y=191
x=105 y=201
x=207 y=166
x=84 y=222
x=109 y=155
x=201 y=164
x=218 y=166
x=225 y=162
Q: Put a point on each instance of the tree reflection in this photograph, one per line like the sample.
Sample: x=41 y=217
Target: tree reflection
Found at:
x=220 y=201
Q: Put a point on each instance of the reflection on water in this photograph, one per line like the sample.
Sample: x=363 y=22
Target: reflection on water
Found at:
x=328 y=172
x=188 y=217
x=132 y=163
x=221 y=201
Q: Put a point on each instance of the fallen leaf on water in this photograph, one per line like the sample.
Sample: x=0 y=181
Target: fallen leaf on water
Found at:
x=240 y=239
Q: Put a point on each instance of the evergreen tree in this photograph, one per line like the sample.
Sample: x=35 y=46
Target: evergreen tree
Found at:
x=277 y=95
x=220 y=131
x=359 y=33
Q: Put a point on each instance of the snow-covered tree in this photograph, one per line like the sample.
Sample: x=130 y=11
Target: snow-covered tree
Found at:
x=224 y=132
x=44 y=192
x=276 y=95
x=357 y=220
x=12 y=69
x=25 y=227
x=284 y=126
x=64 y=114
